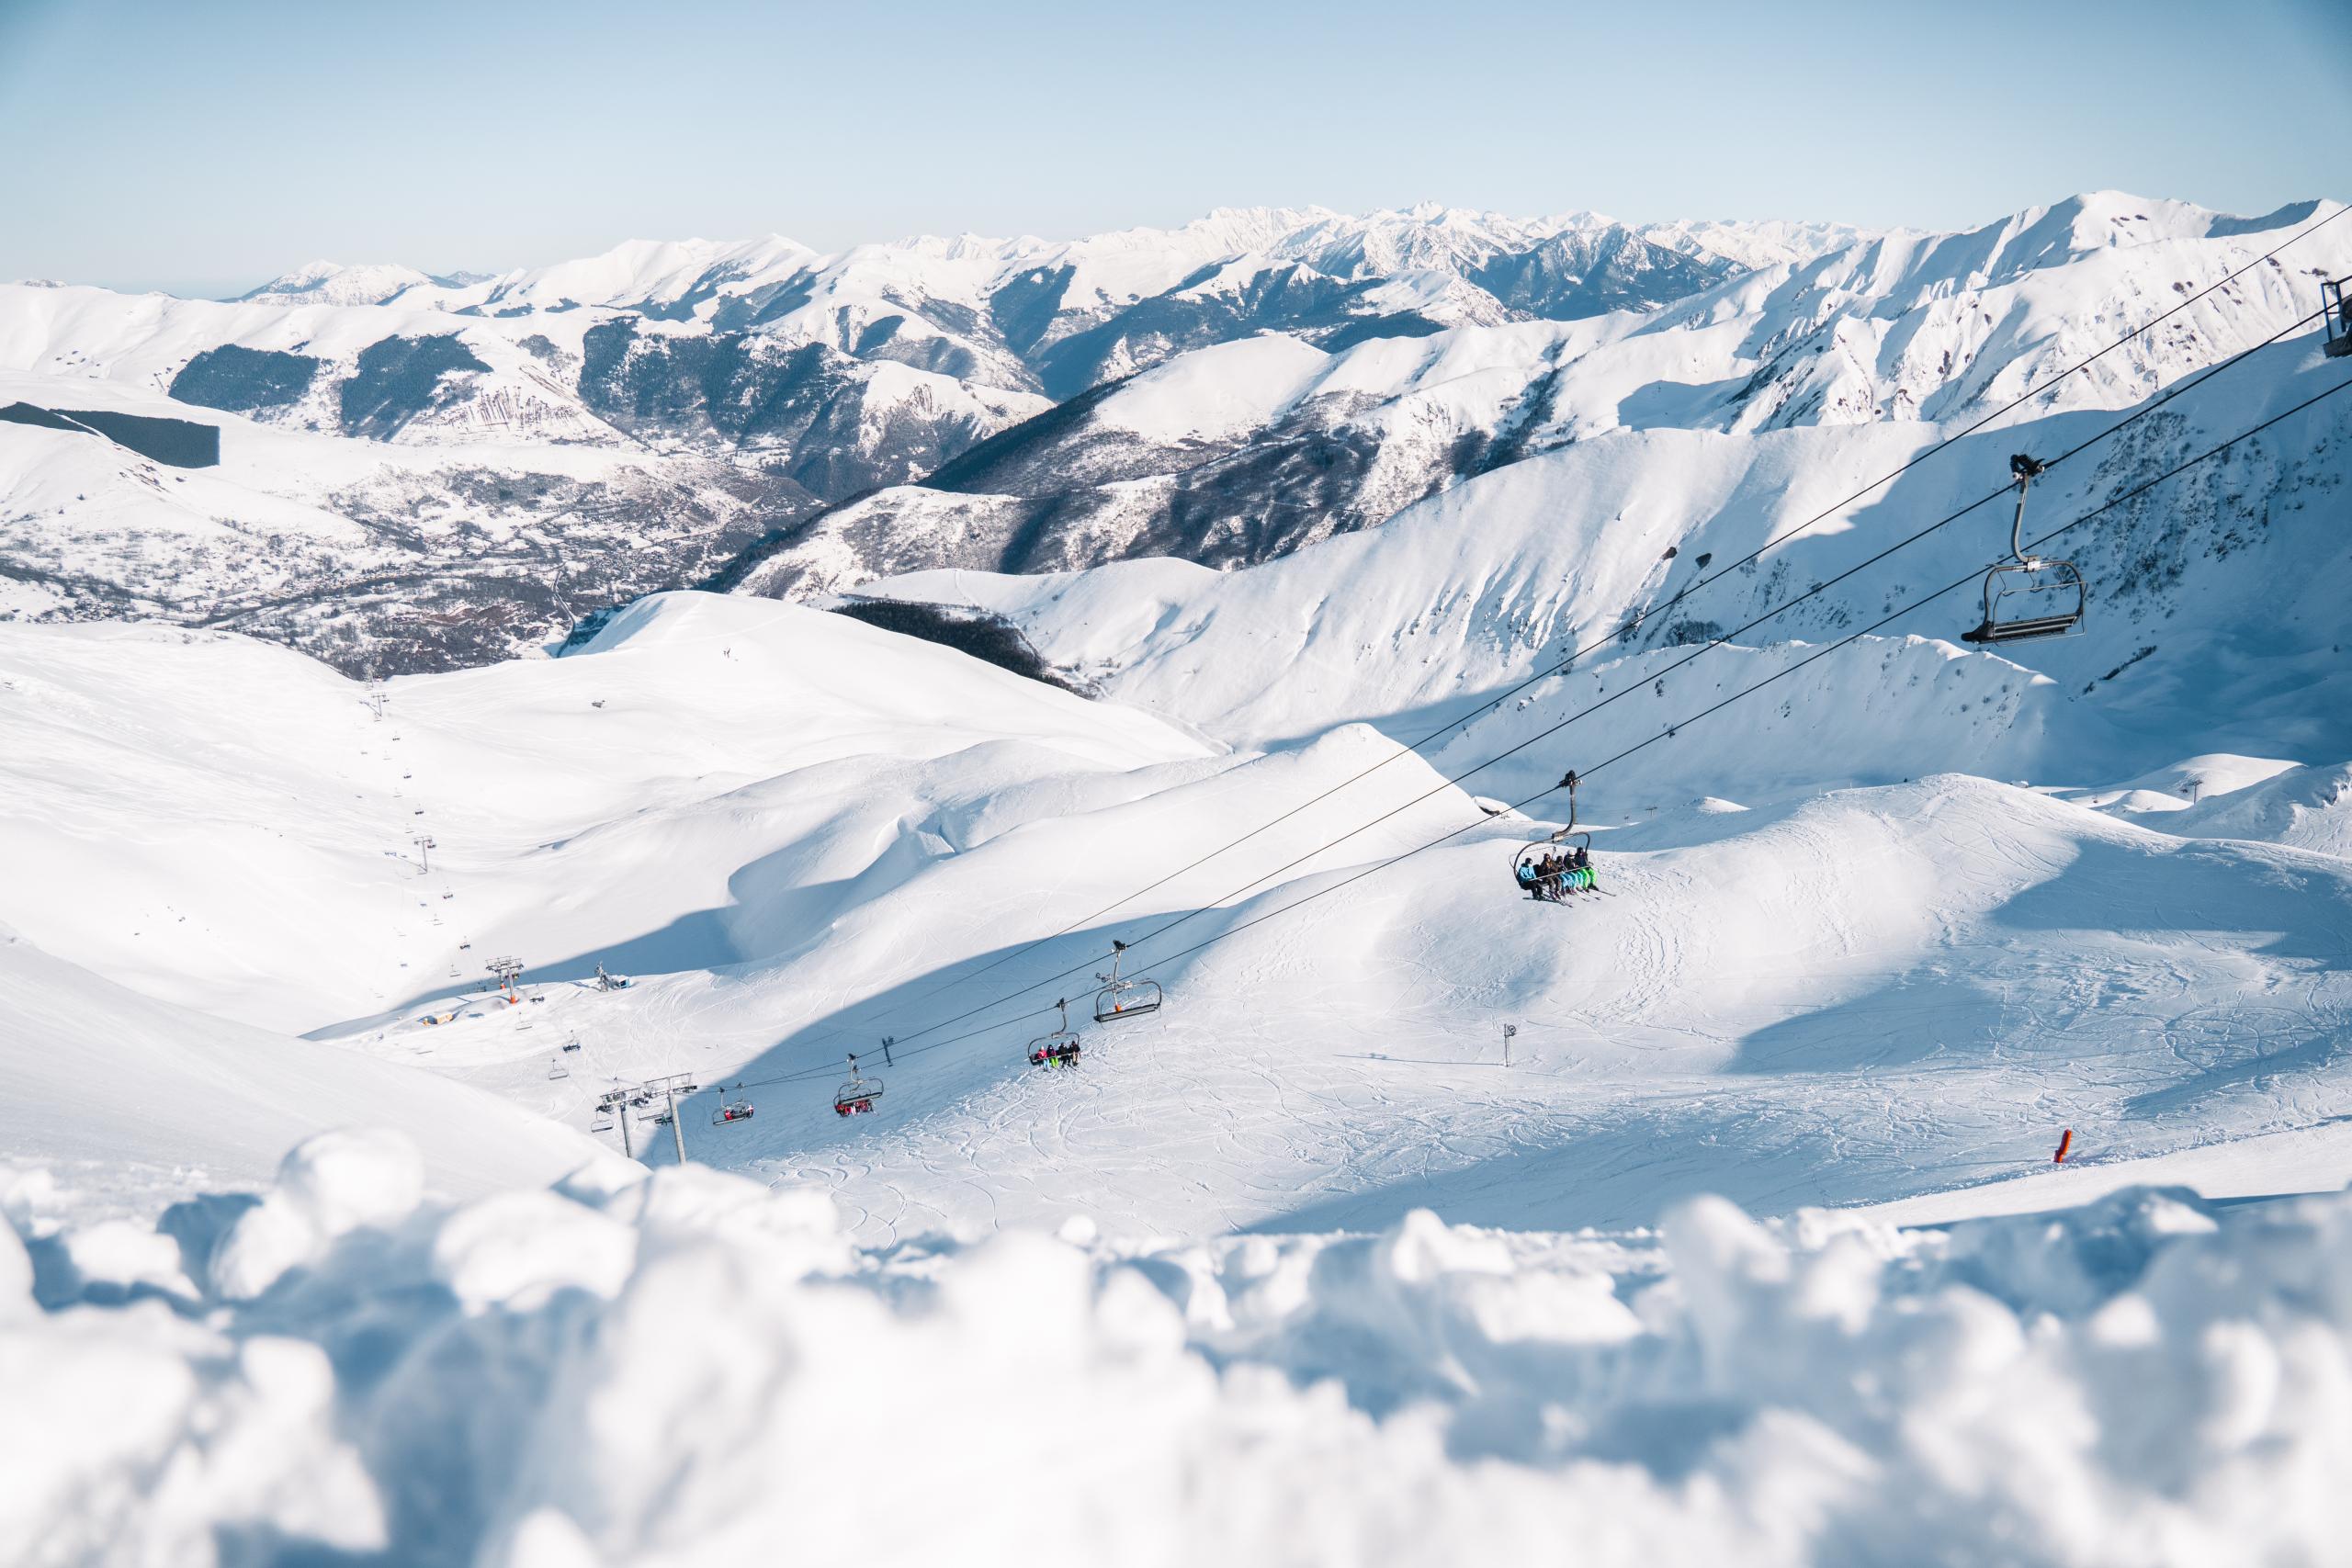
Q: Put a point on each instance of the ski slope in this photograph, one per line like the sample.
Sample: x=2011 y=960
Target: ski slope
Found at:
x=129 y=1103
x=1196 y=1294
x=229 y=824
x=801 y=834
x=1707 y=1217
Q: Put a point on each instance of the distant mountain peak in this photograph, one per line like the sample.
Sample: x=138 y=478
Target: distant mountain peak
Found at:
x=332 y=283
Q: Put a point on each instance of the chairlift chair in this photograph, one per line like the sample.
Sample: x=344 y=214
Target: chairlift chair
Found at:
x=2336 y=317
x=857 y=1094
x=2028 y=596
x=1059 y=1049
x=555 y=1069
x=1577 y=878
x=730 y=1110
x=600 y=1119
x=1124 y=998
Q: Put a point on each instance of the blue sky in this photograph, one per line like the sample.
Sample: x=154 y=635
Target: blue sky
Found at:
x=204 y=147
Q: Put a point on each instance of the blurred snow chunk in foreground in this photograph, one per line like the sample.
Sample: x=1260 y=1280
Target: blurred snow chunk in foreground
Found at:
x=692 y=1367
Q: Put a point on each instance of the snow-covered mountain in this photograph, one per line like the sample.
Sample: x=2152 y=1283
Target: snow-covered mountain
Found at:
x=425 y=472
x=1239 y=453
x=455 y=468
x=1416 y=1225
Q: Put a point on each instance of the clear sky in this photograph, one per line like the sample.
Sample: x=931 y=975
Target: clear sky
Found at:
x=204 y=145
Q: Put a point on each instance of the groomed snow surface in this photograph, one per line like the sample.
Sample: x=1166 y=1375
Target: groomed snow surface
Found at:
x=691 y=1368
x=1192 y=1302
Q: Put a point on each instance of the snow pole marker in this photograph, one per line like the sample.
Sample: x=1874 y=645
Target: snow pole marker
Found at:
x=2065 y=1141
x=1508 y=1030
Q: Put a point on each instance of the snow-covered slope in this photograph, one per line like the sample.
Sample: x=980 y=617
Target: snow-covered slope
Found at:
x=633 y=1377
x=802 y=835
x=134 y=1103
x=1877 y=925
x=1230 y=391
x=409 y=488
x=1755 y=245
x=514 y=453
x=227 y=825
x=1239 y=454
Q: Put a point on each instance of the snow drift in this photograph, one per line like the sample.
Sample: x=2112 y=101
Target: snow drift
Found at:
x=692 y=1367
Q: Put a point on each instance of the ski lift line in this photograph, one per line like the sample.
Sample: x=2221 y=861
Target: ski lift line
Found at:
x=1647 y=679
x=1685 y=592
x=1951 y=587
x=1957 y=583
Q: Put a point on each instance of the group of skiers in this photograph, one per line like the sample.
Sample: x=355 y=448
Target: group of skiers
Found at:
x=1554 y=875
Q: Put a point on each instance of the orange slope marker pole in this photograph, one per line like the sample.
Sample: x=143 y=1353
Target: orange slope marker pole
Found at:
x=2065 y=1142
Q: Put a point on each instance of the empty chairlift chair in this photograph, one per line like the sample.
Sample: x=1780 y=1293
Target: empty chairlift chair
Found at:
x=1121 y=998
x=2028 y=596
x=1059 y=1049
x=2335 y=317
x=857 y=1094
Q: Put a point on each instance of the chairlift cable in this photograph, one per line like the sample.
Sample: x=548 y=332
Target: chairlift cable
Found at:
x=1640 y=617
x=1648 y=677
x=1953 y=586
x=1824 y=652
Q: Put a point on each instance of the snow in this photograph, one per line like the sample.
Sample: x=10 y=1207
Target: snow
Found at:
x=2145 y=1379
x=710 y=707
x=1481 y=585
x=1751 y=1249
x=1217 y=393
x=141 y=1102
x=330 y=283
x=1771 y=242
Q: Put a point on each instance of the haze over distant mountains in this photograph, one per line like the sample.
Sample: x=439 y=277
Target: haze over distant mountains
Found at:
x=421 y=471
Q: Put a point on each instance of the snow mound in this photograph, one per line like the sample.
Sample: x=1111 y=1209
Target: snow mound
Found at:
x=154 y=1099
x=2305 y=809
x=709 y=1367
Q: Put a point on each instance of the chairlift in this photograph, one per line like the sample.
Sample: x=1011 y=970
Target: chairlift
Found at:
x=2335 y=317
x=555 y=1069
x=730 y=1110
x=1058 y=1049
x=2028 y=596
x=571 y=1044
x=1124 y=998
x=857 y=1094
x=1575 y=872
x=601 y=1120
